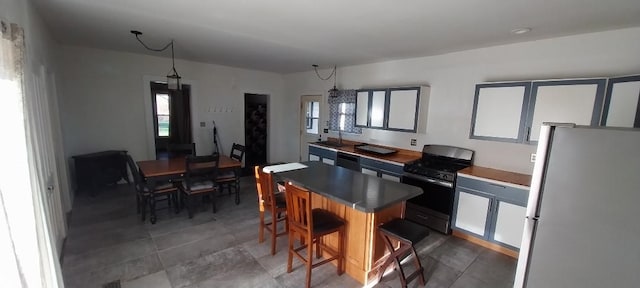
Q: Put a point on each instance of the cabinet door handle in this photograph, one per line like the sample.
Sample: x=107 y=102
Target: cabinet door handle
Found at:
x=528 y=136
x=490 y=205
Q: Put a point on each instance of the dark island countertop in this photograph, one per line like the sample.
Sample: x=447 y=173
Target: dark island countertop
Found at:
x=362 y=192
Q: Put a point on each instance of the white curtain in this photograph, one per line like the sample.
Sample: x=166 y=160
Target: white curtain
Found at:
x=21 y=261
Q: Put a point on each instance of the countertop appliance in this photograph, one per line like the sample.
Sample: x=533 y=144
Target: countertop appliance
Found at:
x=581 y=226
x=435 y=173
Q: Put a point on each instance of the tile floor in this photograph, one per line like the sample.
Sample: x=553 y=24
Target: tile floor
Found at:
x=107 y=241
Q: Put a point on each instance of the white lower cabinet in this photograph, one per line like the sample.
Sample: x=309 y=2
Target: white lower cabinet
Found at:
x=390 y=177
x=369 y=171
x=472 y=213
x=509 y=224
x=490 y=210
x=327 y=156
x=328 y=161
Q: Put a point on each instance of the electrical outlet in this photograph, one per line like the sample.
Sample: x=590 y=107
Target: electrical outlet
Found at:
x=325 y=130
x=533 y=157
x=202 y=124
x=414 y=142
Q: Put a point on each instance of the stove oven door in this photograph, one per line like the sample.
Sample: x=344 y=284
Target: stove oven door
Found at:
x=433 y=207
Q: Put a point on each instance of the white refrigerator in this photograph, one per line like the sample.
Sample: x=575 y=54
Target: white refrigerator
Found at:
x=582 y=227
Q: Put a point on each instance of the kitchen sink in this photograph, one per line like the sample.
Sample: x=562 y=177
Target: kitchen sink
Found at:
x=330 y=143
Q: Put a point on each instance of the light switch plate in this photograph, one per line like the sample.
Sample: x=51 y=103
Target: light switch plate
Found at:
x=533 y=157
x=414 y=142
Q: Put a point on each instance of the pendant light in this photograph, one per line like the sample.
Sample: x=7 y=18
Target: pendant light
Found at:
x=173 y=78
x=333 y=92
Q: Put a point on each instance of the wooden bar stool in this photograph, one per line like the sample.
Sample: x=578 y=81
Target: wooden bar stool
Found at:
x=311 y=225
x=406 y=233
x=270 y=202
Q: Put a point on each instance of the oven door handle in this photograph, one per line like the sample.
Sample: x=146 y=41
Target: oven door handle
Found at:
x=430 y=180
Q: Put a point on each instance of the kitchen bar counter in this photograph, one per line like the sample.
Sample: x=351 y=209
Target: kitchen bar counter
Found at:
x=497 y=175
x=359 y=191
x=401 y=157
x=363 y=201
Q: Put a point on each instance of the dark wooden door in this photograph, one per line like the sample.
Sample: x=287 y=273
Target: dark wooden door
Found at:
x=255 y=134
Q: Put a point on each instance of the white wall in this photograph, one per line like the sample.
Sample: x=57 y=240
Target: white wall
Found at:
x=453 y=76
x=40 y=56
x=103 y=104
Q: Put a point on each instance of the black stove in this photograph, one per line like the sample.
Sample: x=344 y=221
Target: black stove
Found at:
x=435 y=173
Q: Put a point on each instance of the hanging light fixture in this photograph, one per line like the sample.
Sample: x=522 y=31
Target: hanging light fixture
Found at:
x=333 y=92
x=173 y=78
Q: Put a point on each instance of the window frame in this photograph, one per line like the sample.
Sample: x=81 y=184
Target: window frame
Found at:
x=159 y=88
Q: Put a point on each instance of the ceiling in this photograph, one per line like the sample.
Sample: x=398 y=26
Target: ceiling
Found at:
x=286 y=36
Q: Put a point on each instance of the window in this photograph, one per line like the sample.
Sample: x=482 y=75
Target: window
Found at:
x=312 y=118
x=163 y=112
x=342 y=112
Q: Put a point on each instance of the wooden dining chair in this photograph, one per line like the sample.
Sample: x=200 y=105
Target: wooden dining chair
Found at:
x=231 y=177
x=199 y=179
x=311 y=224
x=181 y=149
x=274 y=204
x=145 y=197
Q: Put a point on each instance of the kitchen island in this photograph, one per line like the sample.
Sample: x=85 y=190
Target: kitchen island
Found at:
x=363 y=201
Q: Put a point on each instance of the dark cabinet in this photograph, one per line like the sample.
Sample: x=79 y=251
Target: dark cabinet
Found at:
x=99 y=169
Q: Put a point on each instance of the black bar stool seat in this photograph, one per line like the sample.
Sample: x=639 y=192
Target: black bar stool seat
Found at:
x=408 y=234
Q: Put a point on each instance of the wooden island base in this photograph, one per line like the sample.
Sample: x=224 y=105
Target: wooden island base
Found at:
x=363 y=245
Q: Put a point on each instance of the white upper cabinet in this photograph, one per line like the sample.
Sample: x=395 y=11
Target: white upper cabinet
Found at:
x=499 y=111
x=565 y=101
x=378 y=101
x=362 y=108
x=403 y=108
x=622 y=103
x=398 y=109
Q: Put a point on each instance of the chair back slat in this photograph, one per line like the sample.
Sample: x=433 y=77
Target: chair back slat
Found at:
x=201 y=168
x=299 y=208
x=237 y=152
x=181 y=149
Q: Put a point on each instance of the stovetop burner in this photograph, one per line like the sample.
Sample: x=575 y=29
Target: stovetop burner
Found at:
x=440 y=162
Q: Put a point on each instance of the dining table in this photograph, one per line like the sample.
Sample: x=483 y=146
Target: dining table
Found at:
x=173 y=169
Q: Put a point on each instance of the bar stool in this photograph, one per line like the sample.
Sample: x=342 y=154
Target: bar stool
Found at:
x=407 y=233
x=275 y=204
x=311 y=225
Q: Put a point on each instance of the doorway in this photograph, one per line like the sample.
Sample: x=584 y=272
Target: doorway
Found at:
x=255 y=131
x=309 y=123
x=171 y=117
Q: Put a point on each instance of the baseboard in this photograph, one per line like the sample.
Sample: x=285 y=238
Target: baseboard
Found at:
x=486 y=244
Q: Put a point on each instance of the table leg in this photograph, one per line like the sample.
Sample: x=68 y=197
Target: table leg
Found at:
x=151 y=185
x=238 y=172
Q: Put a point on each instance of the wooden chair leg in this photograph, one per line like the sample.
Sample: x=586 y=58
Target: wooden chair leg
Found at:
x=274 y=232
x=190 y=206
x=318 y=252
x=143 y=207
x=418 y=265
x=290 y=251
x=138 y=203
x=261 y=228
x=309 y=263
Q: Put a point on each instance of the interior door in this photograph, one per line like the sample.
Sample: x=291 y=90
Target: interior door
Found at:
x=310 y=107
x=50 y=216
